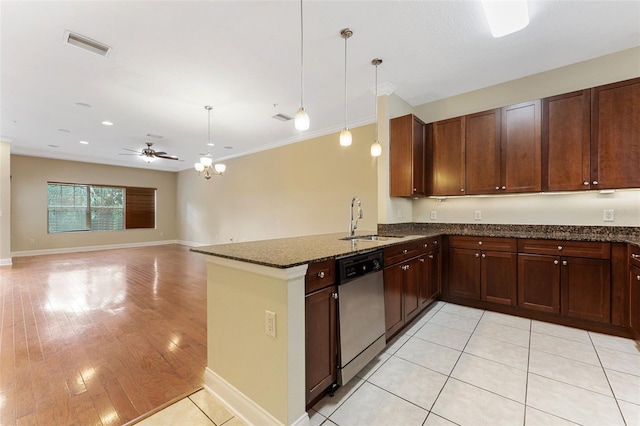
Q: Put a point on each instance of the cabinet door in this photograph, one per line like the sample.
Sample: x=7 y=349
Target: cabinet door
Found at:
x=586 y=288
x=464 y=273
x=539 y=282
x=429 y=278
x=448 y=157
x=499 y=277
x=321 y=344
x=634 y=298
x=406 y=157
x=520 y=140
x=393 y=303
x=566 y=142
x=482 y=152
x=615 y=145
x=411 y=288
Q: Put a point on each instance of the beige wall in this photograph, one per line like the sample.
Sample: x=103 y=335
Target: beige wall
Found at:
x=299 y=189
x=583 y=208
x=29 y=177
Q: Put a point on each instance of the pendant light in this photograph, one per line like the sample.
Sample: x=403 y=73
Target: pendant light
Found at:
x=345 y=134
x=206 y=167
x=376 y=147
x=301 y=120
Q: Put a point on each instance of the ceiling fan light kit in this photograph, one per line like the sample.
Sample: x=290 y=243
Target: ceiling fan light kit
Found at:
x=206 y=167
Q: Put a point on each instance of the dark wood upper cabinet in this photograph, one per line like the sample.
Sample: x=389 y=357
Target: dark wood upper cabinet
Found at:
x=482 y=152
x=521 y=147
x=615 y=135
x=407 y=157
x=448 y=157
x=566 y=142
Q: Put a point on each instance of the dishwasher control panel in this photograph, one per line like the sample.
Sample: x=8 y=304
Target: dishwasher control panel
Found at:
x=358 y=265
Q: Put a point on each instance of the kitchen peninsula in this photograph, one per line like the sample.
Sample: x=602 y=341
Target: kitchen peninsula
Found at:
x=262 y=376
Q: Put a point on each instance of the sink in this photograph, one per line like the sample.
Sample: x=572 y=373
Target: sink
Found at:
x=370 y=238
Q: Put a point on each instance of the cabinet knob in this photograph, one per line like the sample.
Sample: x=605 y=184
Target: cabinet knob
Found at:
x=430 y=256
x=635 y=256
x=480 y=243
x=595 y=182
x=555 y=262
x=585 y=183
x=425 y=245
x=461 y=189
x=435 y=241
x=497 y=188
x=484 y=255
x=638 y=277
x=414 y=190
x=559 y=248
x=405 y=267
x=503 y=187
x=334 y=295
x=405 y=251
x=564 y=263
x=477 y=254
x=321 y=274
x=421 y=260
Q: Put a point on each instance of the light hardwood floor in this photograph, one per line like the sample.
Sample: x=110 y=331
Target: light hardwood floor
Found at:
x=100 y=337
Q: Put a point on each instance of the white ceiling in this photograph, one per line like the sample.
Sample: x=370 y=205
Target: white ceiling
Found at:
x=171 y=58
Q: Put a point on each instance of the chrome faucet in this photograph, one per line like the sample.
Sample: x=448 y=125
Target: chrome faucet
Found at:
x=354 y=225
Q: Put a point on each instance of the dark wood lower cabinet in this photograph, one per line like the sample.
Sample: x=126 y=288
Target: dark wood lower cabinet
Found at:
x=585 y=288
x=393 y=299
x=464 y=273
x=539 y=282
x=321 y=341
x=429 y=278
x=634 y=300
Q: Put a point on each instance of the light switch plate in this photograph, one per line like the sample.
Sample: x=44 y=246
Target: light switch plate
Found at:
x=477 y=215
x=434 y=215
x=270 y=323
x=608 y=215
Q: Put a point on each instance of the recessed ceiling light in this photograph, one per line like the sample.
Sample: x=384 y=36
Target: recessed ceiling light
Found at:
x=82 y=104
x=107 y=123
x=64 y=130
x=84 y=142
x=86 y=43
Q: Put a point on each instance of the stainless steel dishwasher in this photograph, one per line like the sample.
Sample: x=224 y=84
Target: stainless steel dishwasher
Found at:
x=361 y=322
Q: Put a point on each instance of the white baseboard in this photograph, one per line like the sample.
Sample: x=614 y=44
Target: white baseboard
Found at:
x=6 y=262
x=91 y=248
x=242 y=406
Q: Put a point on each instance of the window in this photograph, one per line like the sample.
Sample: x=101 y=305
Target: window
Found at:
x=78 y=207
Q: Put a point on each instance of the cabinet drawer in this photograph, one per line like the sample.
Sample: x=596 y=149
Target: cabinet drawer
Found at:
x=594 y=250
x=319 y=275
x=402 y=252
x=634 y=255
x=483 y=243
x=429 y=244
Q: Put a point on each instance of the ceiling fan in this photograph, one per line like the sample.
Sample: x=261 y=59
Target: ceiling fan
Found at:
x=149 y=154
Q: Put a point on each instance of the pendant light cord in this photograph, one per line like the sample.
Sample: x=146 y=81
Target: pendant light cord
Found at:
x=209 y=127
x=377 y=140
x=301 y=57
x=345 y=82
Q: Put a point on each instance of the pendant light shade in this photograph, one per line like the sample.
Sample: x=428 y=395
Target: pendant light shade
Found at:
x=301 y=120
x=376 y=147
x=206 y=167
x=345 y=134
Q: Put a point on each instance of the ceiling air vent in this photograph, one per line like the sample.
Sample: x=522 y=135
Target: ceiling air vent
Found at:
x=86 y=43
x=282 y=117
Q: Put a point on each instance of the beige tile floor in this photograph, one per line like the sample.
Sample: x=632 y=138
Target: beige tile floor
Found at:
x=465 y=366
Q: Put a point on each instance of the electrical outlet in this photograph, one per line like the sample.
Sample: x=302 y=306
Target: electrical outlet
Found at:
x=477 y=215
x=270 y=323
x=434 y=215
x=32 y=241
x=608 y=215
x=400 y=213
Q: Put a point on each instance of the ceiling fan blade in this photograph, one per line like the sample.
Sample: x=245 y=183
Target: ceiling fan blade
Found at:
x=132 y=150
x=159 y=153
x=167 y=157
x=122 y=153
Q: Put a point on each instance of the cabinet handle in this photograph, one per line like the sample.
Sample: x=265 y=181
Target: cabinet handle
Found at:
x=555 y=262
x=421 y=260
x=585 y=183
x=321 y=274
x=334 y=295
x=564 y=263
x=484 y=255
x=559 y=248
x=477 y=254
x=405 y=251
x=430 y=256
x=595 y=182
x=503 y=187
x=405 y=267
x=635 y=256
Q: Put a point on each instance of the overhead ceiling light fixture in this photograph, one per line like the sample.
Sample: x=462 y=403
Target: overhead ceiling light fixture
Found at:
x=301 y=121
x=506 y=17
x=376 y=147
x=345 y=134
x=205 y=166
x=107 y=123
